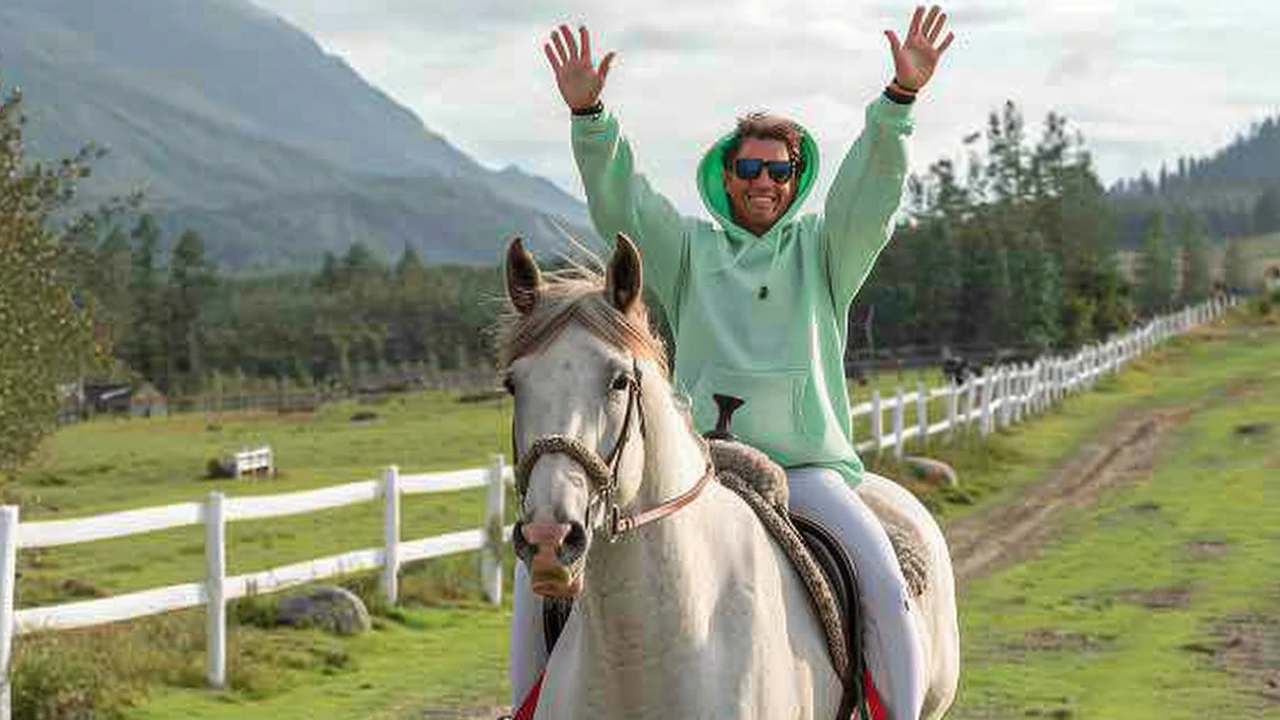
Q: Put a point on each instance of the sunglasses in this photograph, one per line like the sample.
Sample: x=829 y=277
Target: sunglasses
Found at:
x=749 y=168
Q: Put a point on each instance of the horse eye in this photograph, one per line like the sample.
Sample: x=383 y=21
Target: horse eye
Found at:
x=622 y=382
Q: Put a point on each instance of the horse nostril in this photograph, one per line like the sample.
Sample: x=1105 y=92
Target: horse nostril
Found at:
x=520 y=545
x=574 y=545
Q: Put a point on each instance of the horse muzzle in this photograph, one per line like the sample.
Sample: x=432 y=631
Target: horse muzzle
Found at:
x=554 y=553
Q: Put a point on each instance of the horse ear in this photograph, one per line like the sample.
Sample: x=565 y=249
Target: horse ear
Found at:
x=624 y=279
x=524 y=279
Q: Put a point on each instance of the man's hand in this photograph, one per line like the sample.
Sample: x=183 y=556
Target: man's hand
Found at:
x=580 y=82
x=915 y=60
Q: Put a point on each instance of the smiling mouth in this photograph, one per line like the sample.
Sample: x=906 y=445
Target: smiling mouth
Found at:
x=761 y=202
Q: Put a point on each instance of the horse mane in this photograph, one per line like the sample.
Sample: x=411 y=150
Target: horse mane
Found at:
x=576 y=293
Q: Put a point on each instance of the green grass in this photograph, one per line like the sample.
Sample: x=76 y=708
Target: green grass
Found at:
x=444 y=647
x=1121 y=659
x=429 y=657
x=110 y=465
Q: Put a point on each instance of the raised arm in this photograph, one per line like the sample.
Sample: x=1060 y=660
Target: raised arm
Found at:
x=868 y=187
x=619 y=198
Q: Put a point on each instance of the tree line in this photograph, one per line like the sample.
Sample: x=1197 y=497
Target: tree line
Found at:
x=1018 y=249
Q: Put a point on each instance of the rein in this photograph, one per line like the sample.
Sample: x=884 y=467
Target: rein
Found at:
x=604 y=472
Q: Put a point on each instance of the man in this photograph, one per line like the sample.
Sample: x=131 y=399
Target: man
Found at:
x=757 y=303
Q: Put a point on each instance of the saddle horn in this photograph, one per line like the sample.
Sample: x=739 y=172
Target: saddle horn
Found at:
x=727 y=405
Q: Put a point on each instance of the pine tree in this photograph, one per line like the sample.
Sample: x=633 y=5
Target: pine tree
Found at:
x=190 y=280
x=1233 y=268
x=1155 y=269
x=146 y=353
x=1195 y=275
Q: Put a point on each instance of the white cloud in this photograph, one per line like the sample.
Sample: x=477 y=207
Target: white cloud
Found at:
x=1142 y=86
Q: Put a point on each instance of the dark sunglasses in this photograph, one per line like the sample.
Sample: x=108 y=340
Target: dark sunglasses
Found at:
x=749 y=168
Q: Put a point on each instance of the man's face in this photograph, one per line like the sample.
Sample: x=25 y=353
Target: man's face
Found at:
x=758 y=202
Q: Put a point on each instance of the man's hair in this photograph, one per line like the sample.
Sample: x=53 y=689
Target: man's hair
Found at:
x=765 y=126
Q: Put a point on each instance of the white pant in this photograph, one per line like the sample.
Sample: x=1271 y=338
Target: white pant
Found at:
x=892 y=652
x=892 y=647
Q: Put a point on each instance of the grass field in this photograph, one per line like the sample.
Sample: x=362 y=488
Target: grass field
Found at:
x=445 y=647
x=1130 y=614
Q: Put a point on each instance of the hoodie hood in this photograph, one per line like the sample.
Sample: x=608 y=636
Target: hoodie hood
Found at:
x=711 y=186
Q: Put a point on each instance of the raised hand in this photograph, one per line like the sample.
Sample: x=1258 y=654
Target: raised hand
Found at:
x=915 y=59
x=580 y=82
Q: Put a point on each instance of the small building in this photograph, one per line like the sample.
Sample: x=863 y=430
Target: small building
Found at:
x=147 y=401
x=108 y=398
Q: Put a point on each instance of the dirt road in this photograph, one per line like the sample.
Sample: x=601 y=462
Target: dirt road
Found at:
x=1009 y=533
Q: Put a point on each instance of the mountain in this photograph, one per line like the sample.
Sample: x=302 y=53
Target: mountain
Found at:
x=1235 y=192
x=239 y=125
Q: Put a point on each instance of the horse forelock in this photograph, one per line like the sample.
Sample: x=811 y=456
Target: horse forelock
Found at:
x=578 y=296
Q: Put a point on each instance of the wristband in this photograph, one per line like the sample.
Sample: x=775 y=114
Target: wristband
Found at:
x=902 y=98
x=591 y=110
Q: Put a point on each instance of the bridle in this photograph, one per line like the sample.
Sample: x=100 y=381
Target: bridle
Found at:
x=603 y=473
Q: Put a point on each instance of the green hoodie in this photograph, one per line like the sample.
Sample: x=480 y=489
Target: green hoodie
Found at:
x=759 y=317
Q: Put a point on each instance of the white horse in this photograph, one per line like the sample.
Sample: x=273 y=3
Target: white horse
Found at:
x=685 y=607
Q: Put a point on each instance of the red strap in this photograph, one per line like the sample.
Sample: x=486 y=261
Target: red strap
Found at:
x=530 y=701
x=873 y=699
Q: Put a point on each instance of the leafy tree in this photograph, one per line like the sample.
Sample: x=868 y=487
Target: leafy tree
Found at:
x=46 y=329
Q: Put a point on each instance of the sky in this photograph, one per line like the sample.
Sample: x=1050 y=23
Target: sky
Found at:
x=1145 y=82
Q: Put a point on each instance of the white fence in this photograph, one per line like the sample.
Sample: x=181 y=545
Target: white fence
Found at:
x=217 y=588
x=1007 y=394
x=1001 y=397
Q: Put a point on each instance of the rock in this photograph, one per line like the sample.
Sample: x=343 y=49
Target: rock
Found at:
x=928 y=470
x=1253 y=429
x=331 y=608
x=219 y=468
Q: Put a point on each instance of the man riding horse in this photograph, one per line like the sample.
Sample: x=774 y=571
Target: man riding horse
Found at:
x=757 y=303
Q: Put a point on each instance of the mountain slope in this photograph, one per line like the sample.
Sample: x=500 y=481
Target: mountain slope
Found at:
x=240 y=125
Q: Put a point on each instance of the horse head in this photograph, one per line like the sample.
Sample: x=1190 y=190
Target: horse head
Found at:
x=578 y=356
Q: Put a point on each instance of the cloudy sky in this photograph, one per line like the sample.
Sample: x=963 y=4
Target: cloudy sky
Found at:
x=1144 y=81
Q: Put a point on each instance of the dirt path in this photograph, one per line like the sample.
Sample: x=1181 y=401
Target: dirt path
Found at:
x=1010 y=533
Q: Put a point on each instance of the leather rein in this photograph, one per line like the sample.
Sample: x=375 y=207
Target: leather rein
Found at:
x=604 y=472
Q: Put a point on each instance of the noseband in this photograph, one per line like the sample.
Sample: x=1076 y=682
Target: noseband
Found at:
x=603 y=473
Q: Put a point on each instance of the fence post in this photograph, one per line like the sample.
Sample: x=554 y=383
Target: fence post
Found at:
x=988 y=388
x=1002 y=398
x=897 y=425
x=8 y=585
x=391 y=535
x=953 y=401
x=491 y=560
x=922 y=412
x=877 y=419
x=971 y=401
x=215 y=554
x=1020 y=388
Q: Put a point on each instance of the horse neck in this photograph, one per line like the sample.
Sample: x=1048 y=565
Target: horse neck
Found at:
x=631 y=577
x=674 y=458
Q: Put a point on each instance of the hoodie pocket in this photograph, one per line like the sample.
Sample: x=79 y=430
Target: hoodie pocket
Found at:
x=770 y=418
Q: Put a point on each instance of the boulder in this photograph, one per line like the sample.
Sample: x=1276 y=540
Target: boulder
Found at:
x=334 y=609
x=928 y=470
